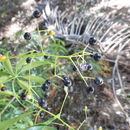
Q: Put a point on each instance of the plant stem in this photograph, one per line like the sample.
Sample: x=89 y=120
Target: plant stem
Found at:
x=51 y=115
x=63 y=103
x=79 y=72
x=7 y=106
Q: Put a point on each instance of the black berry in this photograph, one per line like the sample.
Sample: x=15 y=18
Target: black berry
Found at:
x=46 y=57
x=90 y=89
x=46 y=85
x=97 y=56
x=23 y=96
x=28 y=60
x=67 y=81
x=3 y=89
x=37 y=13
x=46 y=95
x=98 y=81
x=48 y=82
x=42 y=115
x=90 y=67
x=47 y=108
x=92 y=40
x=35 y=111
x=85 y=67
x=27 y=36
x=42 y=102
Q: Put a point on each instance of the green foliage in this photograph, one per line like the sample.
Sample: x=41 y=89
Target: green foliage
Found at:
x=34 y=65
x=35 y=79
x=41 y=128
x=21 y=77
x=23 y=84
x=7 y=65
x=4 y=125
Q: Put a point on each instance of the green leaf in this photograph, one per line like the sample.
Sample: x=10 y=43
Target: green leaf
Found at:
x=3 y=73
x=34 y=64
x=7 y=65
x=20 y=63
x=3 y=79
x=4 y=125
x=23 y=84
x=6 y=93
x=45 y=124
x=36 y=79
x=41 y=128
x=51 y=120
x=56 y=49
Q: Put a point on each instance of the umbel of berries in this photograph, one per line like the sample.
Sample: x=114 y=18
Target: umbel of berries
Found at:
x=27 y=36
x=67 y=82
x=98 y=81
x=92 y=40
x=37 y=13
x=46 y=85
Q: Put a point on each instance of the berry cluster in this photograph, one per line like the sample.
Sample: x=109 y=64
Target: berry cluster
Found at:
x=45 y=86
x=98 y=81
x=43 y=101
